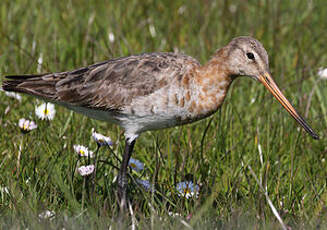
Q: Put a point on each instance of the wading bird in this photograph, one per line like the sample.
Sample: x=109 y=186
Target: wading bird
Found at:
x=153 y=90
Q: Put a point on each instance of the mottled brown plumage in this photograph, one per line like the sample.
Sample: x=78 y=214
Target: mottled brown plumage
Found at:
x=108 y=85
x=154 y=90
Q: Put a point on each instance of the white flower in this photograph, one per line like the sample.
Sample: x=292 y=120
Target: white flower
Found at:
x=322 y=73
x=174 y=214
x=39 y=63
x=111 y=37
x=101 y=139
x=26 y=125
x=47 y=214
x=45 y=111
x=86 y=170
x=13 y=95
x=136 y=164
x=83 y=151
x=187 y=189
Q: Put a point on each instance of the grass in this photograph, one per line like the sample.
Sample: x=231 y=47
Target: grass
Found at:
x=217 y=153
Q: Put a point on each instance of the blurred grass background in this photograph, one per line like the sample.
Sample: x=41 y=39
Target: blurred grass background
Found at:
x=215 y=152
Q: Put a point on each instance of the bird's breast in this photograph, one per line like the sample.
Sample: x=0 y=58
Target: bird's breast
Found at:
x=171 y=106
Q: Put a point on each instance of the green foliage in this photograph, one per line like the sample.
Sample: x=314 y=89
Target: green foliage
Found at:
x=38 y=169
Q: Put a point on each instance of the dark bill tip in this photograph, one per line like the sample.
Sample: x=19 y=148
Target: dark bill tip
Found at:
x=270 y=84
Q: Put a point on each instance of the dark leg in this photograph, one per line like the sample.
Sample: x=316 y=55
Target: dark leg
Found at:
x=122 y=179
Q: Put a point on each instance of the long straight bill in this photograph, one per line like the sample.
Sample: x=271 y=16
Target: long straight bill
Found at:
x=270 y=84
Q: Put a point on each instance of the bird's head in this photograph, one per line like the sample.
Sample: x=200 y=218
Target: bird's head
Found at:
x=246 y=56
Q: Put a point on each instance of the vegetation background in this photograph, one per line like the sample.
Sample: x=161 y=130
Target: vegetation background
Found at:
x=250 y=134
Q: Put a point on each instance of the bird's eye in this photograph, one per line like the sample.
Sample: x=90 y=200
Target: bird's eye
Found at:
x=250 y=56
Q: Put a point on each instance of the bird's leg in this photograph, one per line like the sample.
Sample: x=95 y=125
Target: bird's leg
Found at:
x=122 y=179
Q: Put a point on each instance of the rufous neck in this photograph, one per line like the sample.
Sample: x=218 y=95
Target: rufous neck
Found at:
x=213 y=80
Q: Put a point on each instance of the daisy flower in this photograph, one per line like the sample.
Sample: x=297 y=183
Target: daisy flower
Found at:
x=13 y=95
x=83 y=151
x=145 y=184
x=101 y=139
x=46 y=111
x=135 y=164
x=85 y=170
x=26 y=125
x=322 y=73
x=187 y=189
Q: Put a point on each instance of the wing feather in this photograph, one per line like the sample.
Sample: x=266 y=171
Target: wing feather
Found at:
x=108 y=85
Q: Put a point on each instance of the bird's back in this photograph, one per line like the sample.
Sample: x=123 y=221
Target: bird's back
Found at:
x=108 y=85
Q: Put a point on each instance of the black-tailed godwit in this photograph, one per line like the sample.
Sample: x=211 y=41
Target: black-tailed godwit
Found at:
x=154 y=90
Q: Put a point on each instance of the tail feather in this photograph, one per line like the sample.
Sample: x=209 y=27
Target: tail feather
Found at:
x=42 y=85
